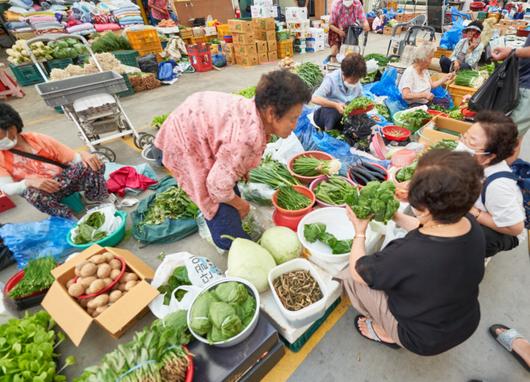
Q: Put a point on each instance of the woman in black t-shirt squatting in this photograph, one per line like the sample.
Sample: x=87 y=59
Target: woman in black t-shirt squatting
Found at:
x=421 y=292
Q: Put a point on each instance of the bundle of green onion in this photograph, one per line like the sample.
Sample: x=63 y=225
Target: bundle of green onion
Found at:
x=334 y=190
x=272 y=173
x=309 y=166
x=290 y=199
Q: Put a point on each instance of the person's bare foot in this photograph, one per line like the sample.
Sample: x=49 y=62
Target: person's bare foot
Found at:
x=383 y=336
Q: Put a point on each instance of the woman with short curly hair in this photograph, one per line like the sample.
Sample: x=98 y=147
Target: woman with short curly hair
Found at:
x=492 y=139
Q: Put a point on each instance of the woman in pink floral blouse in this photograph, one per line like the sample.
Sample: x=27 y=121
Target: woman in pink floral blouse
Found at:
x=214 y=139
x=344 y=14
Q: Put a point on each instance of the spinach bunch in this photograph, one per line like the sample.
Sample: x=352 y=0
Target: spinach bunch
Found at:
x=375 y=201
x=317 y=232
x=88 y=231
x=178 y=278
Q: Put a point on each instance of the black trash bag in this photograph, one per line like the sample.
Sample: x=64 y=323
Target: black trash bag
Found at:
x=353 y=34
x=148 y=64
x=6 y=257
x=357 y=128
x=501 y=91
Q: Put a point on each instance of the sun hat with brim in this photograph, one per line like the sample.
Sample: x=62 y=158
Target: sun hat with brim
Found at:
x=474 y=28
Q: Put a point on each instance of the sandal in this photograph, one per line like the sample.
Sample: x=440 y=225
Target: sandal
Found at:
x=506 y=339
x=373 y=335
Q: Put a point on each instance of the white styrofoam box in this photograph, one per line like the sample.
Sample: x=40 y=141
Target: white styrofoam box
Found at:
x=310 y=313
x=261 y=12
x=271 y=309
x=210 y=31
x=294 y=14
x=317 y=46
x=317 y=32
x=263 y=3
x=299 y=25
x=273 y=12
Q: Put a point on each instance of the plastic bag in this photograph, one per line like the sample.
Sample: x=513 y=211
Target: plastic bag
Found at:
x=165 y=70
x=453 y=35
x=501 y=91
x=148 y=64
x=204 y=233
x=284 y=149
x=442 y=97
x=392 y=232
x=201 y=271
x=110 y=224
x=305 y=130
x=258 y=193
x=167 y=232
x=387 y=86
x=31 y=240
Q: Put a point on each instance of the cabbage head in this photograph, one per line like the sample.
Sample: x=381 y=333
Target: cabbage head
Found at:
x=282 y=243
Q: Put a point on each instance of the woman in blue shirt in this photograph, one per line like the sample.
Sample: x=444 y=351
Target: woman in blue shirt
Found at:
x=467 y=52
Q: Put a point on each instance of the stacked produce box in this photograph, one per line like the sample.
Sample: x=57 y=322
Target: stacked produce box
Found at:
x=243 y=36
x=265 y=32
x=316 y=41
x=299 y=26
x=263 y=9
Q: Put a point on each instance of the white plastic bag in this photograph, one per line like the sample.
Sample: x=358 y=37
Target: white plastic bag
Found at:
x=201 y=272
x=392 y=232
x=110 y=224
x=284 y=149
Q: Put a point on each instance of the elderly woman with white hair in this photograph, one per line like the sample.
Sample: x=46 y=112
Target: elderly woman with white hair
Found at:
x=416 y=84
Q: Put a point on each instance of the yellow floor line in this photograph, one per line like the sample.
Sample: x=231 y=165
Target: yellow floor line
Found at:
x=33 y=122
x=291 y=361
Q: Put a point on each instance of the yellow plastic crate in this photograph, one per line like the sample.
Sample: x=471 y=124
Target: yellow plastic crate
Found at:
x=146 y=40
x=223 y=30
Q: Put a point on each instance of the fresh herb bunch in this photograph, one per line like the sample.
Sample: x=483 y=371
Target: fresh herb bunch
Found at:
x=456 y=114
x=406 y=173
x=310 y=73
x=359 y=103
x=28 y=347
x=469 y=78
x=37 y=277
x=383 y=110
x=272 y=173
x=173 y=204
x=159 y=120
x=415 y=119
x=334 y=190
x=318 y=232
x=249 y=92
x=375 y=201
x=178 y=278
x=290 y=199
x=310 y=166
x=447 y=144
x=88 y=231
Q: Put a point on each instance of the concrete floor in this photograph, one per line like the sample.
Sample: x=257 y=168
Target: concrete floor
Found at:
x=342 y=355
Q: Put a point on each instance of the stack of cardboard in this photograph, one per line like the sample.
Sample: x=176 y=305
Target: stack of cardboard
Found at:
x=263 y=9
x=244 y=39
x=316 y=41
x=265 y=32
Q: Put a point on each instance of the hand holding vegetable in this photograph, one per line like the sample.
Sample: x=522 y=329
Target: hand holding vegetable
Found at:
x=340 y=107
x=360 y=225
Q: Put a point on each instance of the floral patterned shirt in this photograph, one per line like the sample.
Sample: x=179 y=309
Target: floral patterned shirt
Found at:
x=343 y=17
x=210 y=142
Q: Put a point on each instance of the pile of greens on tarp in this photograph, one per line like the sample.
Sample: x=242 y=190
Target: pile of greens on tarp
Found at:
x=166 y=216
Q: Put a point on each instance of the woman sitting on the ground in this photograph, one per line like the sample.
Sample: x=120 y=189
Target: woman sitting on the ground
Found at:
x=43 y=170
x=467 y=52
x=416 y=84
x=337 y=89
x=421 y=292
x=499 y=209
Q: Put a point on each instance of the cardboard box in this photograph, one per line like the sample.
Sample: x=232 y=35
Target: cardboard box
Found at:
x=75 y=321
x=273 y=55
x=262 y=46
x=248 y=60
x=243 y=38
x=265 y=35
x=265 y=24
x=272 y=45
x=245 y=49
x=442 y=128
x=294 y=14
x=260 y=12
x=240 y=26
x=263 y=58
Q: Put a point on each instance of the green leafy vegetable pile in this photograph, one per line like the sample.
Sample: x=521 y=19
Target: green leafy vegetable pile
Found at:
x=249 y=92
x=414 y=120
x=290 y=199
x=468 y=78
x=109 y=42
x=334 y=190
x=27 y=350
x=159 y=120
x=359 y=103
x=310 y=166
x=447 y=144
x=383 y=110
x=317 y=232
x=456 y=114
x=381 y=59
x=405 y=173
x=155 y=354
x=173 y=204
x=489 y=68
x=272 y=173
x=37 y=277
x=310 y=73
x=88 y=231
x=375 y=201
x=223 y=312
x=178 y=278
x=67 y=48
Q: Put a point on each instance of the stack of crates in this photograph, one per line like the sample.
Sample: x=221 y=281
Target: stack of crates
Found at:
x=127 y=57
x=285 y=48
x=26 y=74
x=245 y=50
x=145 y=41
x=265 y=32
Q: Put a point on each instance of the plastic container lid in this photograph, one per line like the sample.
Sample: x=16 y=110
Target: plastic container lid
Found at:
x=403 y=158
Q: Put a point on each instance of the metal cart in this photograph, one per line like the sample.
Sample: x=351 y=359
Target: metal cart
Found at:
x=91 y=102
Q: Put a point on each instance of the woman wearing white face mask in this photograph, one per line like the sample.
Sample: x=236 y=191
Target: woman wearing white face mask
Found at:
x=493 y=139
x=338 y=89
x=421 y=292
x=344 y=13
x=43 y=170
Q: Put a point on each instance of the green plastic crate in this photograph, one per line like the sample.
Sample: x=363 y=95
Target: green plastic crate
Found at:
x=26 y=74
x=59 y=63
x=129 y=91
x=127 y=57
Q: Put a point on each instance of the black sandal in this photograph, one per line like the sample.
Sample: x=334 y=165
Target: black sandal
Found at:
x=374 y=337
x=506 y=339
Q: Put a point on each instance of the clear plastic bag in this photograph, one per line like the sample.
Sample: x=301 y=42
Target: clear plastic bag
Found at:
x=258 y=193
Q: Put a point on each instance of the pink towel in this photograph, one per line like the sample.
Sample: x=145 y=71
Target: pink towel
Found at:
x=106 y=27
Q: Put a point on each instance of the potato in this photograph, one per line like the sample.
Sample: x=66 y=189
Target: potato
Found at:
x=100 y=300
x=115 y=264
x=83 y=302
x=101 y=309
x=108 y=281
x=86 y=281
x=97 y=259
x=130 y=284
x=90 y=311
x=103 y=270
x=95 y=314
x=115 y=295
x=114 y=274
x=108 y=256
x=88 y=269
x=69 y=283
x=81 y=265
x=130 y=277
x=96 y=286
x=122 y=287
x=76 y=290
